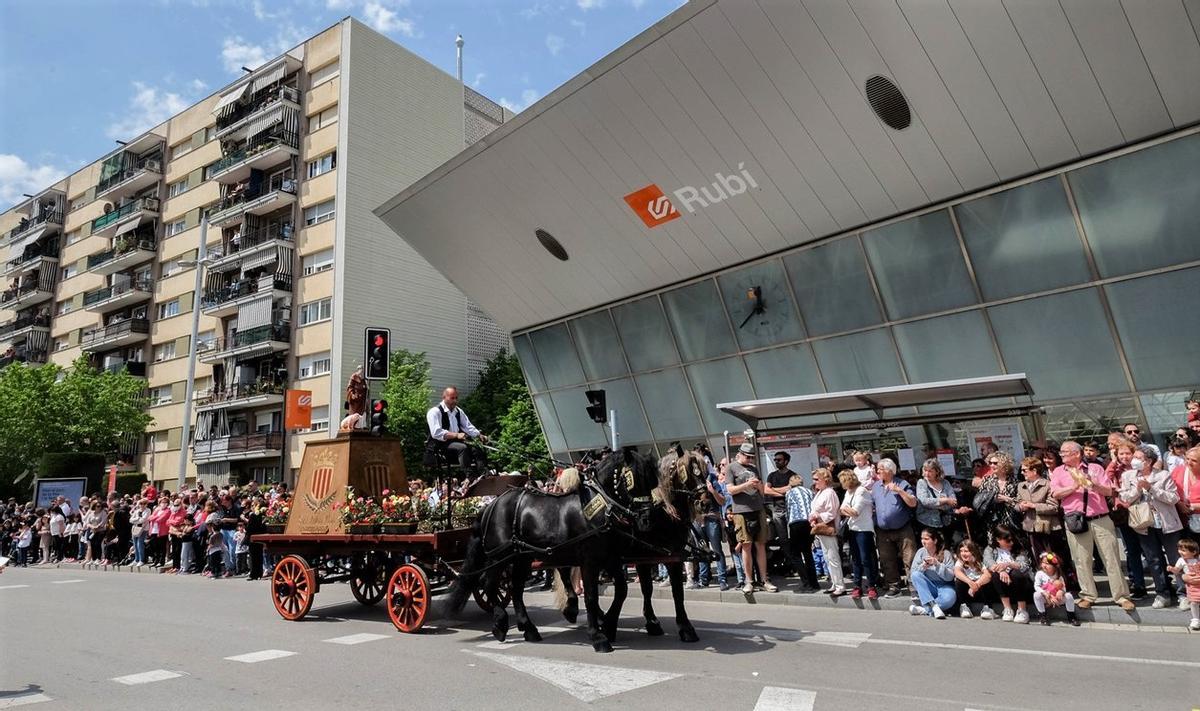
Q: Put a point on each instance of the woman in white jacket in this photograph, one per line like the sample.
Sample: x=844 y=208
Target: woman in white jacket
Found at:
x=824 y=519
x=1160 y=540
x=137 y=522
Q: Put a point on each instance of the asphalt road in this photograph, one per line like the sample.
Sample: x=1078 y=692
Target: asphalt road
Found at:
x=72 y=639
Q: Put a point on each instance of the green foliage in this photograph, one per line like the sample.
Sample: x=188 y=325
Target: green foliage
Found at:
x=130 y=483
x=68 y=465
x=520 y=440
x=409 y=394
x=499 y=381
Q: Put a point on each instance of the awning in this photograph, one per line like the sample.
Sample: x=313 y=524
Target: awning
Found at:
x=254 y=314
x=130 y=224
x=225 y=105
x=31 y=237
x=760 y=414
x=271 y=74
x=262 y=258
x=267 y=120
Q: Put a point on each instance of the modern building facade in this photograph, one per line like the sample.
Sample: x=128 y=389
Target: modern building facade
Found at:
x=286 y=164
x=775 y=199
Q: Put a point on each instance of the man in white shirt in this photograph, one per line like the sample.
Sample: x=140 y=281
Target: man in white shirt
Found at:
x=449 y=429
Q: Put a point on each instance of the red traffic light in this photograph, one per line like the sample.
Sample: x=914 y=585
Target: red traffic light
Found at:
x=378 y=340
x=379 y=405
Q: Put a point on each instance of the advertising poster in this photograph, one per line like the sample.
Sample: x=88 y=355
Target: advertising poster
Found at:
x=804 y=460
x=1005 y=435
x=46 y=490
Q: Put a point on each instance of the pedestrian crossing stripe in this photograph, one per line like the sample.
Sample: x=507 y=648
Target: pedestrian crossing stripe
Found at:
x=586 y=682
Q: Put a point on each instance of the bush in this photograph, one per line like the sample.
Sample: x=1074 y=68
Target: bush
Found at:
x=68 y=465
x=130 y=483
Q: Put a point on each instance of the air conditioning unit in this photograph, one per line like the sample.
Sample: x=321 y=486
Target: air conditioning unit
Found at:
x=154 y=164
x=108 y=207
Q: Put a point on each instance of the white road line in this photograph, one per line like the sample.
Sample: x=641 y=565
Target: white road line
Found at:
x=263 y=656
x=146 y=677
x=586 y=682
x=515 y=637
x=1038 y=653
x=834 y=639
x=778 y=698
x=852 y=640
x=12 y=587
x=357 y=638
x=65 y=582
x=9 y=702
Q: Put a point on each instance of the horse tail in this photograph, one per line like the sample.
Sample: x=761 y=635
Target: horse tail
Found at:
x=560 y=590
x=471 y=572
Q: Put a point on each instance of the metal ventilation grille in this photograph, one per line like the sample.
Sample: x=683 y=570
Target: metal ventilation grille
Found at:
x=888 y=103
x=552 y=246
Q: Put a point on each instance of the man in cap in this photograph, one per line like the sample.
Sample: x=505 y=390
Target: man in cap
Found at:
x=749 y=516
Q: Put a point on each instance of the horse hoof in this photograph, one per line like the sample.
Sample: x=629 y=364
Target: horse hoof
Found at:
x=571 y=613
x=688 y=634
x=653 y=628
x=611 y=634
x=500 y=633
x=532 y=635
x=520 y=627
x=602 y=647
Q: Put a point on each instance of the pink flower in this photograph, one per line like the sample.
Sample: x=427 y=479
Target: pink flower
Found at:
x=386 y=492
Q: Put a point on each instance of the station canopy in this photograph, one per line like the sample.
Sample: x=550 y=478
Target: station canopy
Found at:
x=978 y=397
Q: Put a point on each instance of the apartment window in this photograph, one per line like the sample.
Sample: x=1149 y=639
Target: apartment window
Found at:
x=61 y=344
x=322 y=165
x=315 y=311
x=65 y=307
x=325 y=118
x=177 y=188
x=171 y=267
x=320 y=419
x=78 y=202
x=68 y=272
x=317 y=262
x=74 y=236
x=160 y=396
x=206 y=340
x=167 y=309
x=164 y=351
x=209 y=133
x=320 y=213
x=324 y=74
x=314 y=365
x=174 y=228
x=181 y=149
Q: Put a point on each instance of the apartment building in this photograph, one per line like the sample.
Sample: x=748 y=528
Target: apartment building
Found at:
x=287 y=164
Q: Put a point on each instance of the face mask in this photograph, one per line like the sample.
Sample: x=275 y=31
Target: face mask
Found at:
x=1137 y=464
x=174 y=508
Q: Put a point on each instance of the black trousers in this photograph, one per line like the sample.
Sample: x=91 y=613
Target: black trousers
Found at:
x=801 y=540
x=1019 y=590
x=256 y=560
x=176 y=551
x=986 y=595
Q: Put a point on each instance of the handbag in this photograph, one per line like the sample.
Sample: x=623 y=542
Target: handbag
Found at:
x=822 y=529
x=1077 y=522
x=985 y=499
x=1141 y=517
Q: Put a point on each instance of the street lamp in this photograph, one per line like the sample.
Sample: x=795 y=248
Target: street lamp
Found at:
x=201 y=260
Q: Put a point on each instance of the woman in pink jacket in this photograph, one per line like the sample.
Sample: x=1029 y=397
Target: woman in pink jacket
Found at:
x=157 y=526
x=175 y=521
x=824 y=519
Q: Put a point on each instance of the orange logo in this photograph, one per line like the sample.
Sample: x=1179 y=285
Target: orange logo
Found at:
x=652 y=205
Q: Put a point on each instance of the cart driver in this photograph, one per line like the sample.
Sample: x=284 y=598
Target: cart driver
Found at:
x=449 y=429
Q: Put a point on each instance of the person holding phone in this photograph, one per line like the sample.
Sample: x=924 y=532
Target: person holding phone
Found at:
x=749 y=515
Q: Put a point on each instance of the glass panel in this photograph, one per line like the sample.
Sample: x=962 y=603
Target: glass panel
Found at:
x=1062 y=342
x=1158 y=328
x=857 y=361
x=644 y=331
x=1023 y=240
x=919 y=266
x=578 y=428
x=545 y=410
x=778 y=322
x=669 y=405
x=529 y=366
x=556 y=355
x=1166 y=413
x=599 y=348
x=720 y=381
x=1140 y=210
x=1088 y=419
x=946 y=348
x=781 y=372
x=829 y=309
x=631 y=422
x=698 y=320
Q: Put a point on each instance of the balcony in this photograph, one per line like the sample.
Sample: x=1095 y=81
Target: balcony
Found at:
x=237 y=121
x=279 y=192
x=117 y=334
x=32 y=259
x=33 y=291
x=22 y=355
x=129 y=251
x=135 y=211
x=32 y=228
x=248 y=446
x=224 y=301
x=135 y=368
x=140 y=174
x=250 y=244
x=263 y=151
x=23 y=326
x=249 y=343
x=118 y=296
x=242 y=396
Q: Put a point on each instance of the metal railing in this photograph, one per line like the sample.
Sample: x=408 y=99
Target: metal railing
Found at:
x=22 y=322
x=143 y=203
x=95 y=297
x=143 y=240
x=242 y=287
x=152 y=163
x=23 y=355
x=113 y=330
x=281 y=333
x=237 y=444
x=254 y=238
x=44 y=282
x=242 y=391
x=259 y=144
x=136 y=368
x=28 y=223
x=257 y=103
x=32 y=253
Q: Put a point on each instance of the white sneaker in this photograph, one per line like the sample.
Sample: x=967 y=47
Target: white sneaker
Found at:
x=987 y=614
x=916 y=610
x=964 y=611
x=1195 y=626
x=938 y=614
x=770 y=587
x=837 y=590
x=1159 y=602
x=1021 y=618
x=1184 y=603
x=748 y=588
x=1007 y=616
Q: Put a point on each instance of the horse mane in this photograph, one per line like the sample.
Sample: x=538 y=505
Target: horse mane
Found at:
x=677 y=462
x=569 y=481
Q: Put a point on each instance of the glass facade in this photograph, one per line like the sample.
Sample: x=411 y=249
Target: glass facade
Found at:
x=1080 y=279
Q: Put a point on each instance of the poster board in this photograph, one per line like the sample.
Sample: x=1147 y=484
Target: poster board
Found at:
x=803 y=460
x=46 y=490
x=1006 y=435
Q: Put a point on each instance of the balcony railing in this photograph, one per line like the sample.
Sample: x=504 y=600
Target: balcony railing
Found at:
x=281 y=333
x=256 y=145
x=95 y=297
x=32 y=253
x=145 y=203
x=242 y=391
x=243 y=287
x=29 y=223
x=23 y=355
x=256 y=104
x=23 y=322
x=238 y=196
x=43 y=283
x=238 y=444
x=152 y=163
x=143 y=240
x=133 y=325
x=135 y=368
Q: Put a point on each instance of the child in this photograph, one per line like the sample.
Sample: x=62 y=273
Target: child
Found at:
x=242 y=549
x=1188 y=568
x=215 y=551
x=186 y=551
x=24 y=540
x=1193 y=410
x=1049 y=589
x=973 y=582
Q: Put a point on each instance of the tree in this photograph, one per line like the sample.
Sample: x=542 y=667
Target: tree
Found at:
x=409 y=392
x=105 y=408
x=29 y=423
x=490 y=400
x=520 y=439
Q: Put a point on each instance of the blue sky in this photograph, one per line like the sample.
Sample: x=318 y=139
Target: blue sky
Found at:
x=77 y=74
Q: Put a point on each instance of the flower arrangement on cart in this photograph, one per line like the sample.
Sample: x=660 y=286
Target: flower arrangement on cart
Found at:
x=275 y=515
x=401 y=513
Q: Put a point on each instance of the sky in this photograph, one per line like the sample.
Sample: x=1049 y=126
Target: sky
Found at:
x=77 y=75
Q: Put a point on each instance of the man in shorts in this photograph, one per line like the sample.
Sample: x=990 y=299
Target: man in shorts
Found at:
x=749 y=516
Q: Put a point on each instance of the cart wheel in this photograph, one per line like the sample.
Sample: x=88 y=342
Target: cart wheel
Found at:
x=408 y=598
x=503 y=589
x=370 y=587
x=293 y=586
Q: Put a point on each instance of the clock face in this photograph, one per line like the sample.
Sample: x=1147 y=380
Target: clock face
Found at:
x=765 y=286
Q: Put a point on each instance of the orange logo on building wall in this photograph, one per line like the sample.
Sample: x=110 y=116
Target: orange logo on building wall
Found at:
x=652 y=205
x=298 y=413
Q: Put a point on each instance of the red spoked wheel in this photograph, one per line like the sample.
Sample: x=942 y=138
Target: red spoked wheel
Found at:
x=408 y=598
x=370 y=584
x=293 y=586
x=503 y=589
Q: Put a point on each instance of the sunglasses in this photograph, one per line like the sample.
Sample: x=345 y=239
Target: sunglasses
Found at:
x=1133 y=431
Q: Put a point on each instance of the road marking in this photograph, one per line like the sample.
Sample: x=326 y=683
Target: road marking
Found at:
x=852 y=640
x=834 y=639
x=146 y=677
x=357 y=638
x=263 y=656
x=586 y=682
x=1038 y=653
x=515 y=638
x=14 y=701
x=12 y=587
x=65 y=582
x=777 y=698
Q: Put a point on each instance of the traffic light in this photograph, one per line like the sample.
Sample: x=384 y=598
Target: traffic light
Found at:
x=596 y=408
x=378 y=355
x=378 y=417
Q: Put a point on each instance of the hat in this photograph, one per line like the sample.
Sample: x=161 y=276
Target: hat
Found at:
x=746 y=448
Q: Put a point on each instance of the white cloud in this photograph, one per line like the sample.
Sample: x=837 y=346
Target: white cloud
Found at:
x=339 y=4
x=527 y=97
x=637 y=4
x=148 y=107
x=586 y=5
x=18 y=177
x=197 y=86
x=237 y=53
x=555 y=44
x=579 y=25
x=479 y=79
x=386 y=20
x=262 y=14
x=538 y=8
